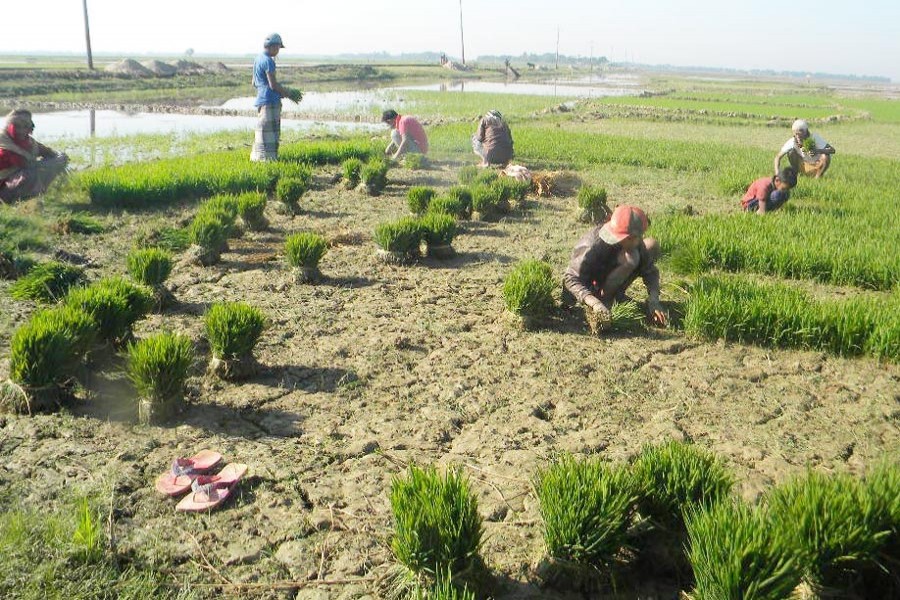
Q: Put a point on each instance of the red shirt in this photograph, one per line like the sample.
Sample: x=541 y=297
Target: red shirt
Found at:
x=410 y=127
x=10 y=159
x=759 y=190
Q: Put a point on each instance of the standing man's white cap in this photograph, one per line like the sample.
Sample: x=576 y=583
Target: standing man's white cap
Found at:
x=273 y=40
x=800 y=125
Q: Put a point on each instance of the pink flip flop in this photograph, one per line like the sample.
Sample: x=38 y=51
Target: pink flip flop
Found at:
x=209 y=491
x=179 y=478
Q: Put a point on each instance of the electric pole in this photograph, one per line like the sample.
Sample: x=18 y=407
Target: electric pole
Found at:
x=557 y=48
x=87 y=36
x=462 y=38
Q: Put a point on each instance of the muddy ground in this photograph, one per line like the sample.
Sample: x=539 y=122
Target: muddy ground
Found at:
x=377 y=366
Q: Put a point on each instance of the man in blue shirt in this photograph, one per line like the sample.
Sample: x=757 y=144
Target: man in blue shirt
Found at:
x=268 y=101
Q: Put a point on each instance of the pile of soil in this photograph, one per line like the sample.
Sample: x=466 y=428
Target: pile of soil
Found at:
x=159 y=68
x=129 y=67
x=186 y=67
x=216 y=67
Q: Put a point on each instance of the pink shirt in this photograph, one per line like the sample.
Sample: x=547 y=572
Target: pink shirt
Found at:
x=758 y=190
x=410 y=127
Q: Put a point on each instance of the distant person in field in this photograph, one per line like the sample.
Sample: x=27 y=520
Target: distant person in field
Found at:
x=493 y=140
x=407 y=135
x=268 y=101
x=27 y=167
x=607 y=260
x=769 y=193
x=808 y=153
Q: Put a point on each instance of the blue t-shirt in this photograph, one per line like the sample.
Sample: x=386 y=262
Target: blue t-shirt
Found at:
x=264 y=94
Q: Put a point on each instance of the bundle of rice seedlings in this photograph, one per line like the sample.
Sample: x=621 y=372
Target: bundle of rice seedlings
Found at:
x=443 y=588
x=81 y=327
x=418 y=198
x=399 y=241
x=224 y=208
x=528 y=292
x=437 y=528
x=352 y=169
x=627 y=317
x=487 y=202
x=374 y=176
x=736 y=554
x=42 y=359
x=448 y=205
x=673 y=478
x=288 y=191
x=485 y=177
x=414 y=161
x=464 y=195
x=513 y=190
x=47 y=282
x=251 y=208
x=115 y=304
x=151 y=267
x=439 y=231
x=209 y=238
x=809 y=145
x=233 y=328
x=158 y=367
x=586 y=507
x=835 y=524
x=592 y=205
x=467 y=174
x=303 y=252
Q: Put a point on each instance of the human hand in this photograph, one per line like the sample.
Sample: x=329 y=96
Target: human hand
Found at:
x=657 y=314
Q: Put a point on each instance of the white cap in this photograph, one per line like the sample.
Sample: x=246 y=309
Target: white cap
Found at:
x=800 y=125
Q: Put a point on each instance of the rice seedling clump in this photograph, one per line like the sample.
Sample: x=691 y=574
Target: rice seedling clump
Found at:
x=251 y=209
x=437 y=528
x=149 y=266
x=448 y=205
x=374 y=176
x=463 y=195
x=737 y=553
x=586 y=508
x=222 y=208
x=158 y=367
x=414 y=161
x=418 y=199
x=288 y=191
x=439 y=231
x=528 y=291
x=592 y=205
x=399 y=241
x=303 y=252
x=115 y=304
x=47 y=282
x=233 y=329
x=210 y=237
x=487 y=202
x=513 y=189
x=467 y=174
x=352 y=169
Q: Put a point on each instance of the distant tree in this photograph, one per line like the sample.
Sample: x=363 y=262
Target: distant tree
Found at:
x=189 y=52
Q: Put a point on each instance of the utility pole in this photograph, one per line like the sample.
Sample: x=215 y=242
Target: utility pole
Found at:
x=557 y=47
x=462 y=39
x=87 y=37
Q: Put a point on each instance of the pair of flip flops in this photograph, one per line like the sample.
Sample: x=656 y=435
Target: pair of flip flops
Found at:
x=207 y=491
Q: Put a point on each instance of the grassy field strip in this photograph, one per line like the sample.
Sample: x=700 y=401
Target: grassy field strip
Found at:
x=751 y=109
x=778 y=315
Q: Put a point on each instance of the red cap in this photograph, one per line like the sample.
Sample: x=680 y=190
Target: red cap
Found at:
x=625 y=221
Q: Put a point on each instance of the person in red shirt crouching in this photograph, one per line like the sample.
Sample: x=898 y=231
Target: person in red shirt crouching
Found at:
x=407 y=135
x=769 y=193
x=27 y=167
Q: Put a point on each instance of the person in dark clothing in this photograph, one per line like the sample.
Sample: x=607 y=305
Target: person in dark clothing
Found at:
x=607 y=260
x=493 y=141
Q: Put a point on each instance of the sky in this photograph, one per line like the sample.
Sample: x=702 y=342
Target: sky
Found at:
x=861 y=38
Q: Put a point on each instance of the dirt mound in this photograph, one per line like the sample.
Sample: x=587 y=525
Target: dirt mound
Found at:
x=216 y=67
x=186 y=67
x=159 y=68
x=129 y=67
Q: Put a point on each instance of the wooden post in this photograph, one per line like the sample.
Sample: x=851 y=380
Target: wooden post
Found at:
x=557 y=47
x=462 y=38
x=87 y=37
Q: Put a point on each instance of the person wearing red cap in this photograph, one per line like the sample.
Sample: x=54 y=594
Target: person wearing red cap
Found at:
x=27 y=167
x=607 y=260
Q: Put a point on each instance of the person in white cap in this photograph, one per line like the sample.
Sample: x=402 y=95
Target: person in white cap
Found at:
x=808 y=153
x=27 y=167
x=268 y=101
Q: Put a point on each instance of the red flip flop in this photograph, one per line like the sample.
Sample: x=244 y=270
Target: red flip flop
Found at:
x=209 y=491
x=179 y=478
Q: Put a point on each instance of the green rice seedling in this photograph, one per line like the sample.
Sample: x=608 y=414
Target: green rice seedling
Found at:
x=42 y=356
x=78 y=223
x=352 y=169
x=467 y=174
x=168 y=239
x=233 y=328
x=627 y=317
x=439 y=231
x=149 y=266
x=586 y=508
x=674 y=478
x=374 y=176
x=437 y=528
x=251 y=209
x=528 y=291
x=418 y=198
x=158 y=367
x=222 y=208
x=448 y=205
x=326 y=152
x=592 y=205
x=80 y=327
x=88 y=535
x=736 y=553
x=882 y=486
x=399 y=241
x=47 y=282
x=414 y=161
x=513 y=190
x=303 y=252
x=485 y=177
x=210 y=237
x=835 y=524
x=463 y=195
x=288 y=191
x=809 y=145
x=115 y=304
x=443 y=588
x=487 y=202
